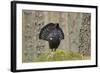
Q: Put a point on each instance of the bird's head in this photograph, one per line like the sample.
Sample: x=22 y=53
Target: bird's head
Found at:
x=57 y=25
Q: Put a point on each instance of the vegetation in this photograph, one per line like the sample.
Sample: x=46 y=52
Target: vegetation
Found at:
x=60 y=55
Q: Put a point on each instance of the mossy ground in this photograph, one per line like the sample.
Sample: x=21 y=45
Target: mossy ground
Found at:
x=60 y=55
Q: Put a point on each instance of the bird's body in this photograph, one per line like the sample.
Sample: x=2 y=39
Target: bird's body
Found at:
x=53 y=34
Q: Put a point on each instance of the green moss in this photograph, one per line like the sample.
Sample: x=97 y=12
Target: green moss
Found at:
x=59 y=55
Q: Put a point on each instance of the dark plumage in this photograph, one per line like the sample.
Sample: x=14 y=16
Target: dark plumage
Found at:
x=53 y=34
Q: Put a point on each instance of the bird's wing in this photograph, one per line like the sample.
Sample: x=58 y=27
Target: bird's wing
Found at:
x=44 y=33
x=60 y=33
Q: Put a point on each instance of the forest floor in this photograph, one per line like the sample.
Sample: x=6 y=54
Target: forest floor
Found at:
x=58 y=55
x=61 y=55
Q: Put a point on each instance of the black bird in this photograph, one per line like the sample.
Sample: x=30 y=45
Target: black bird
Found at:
x=53 y=34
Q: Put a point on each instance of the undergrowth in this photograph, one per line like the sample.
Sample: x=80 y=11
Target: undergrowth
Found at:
x=60 y=55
